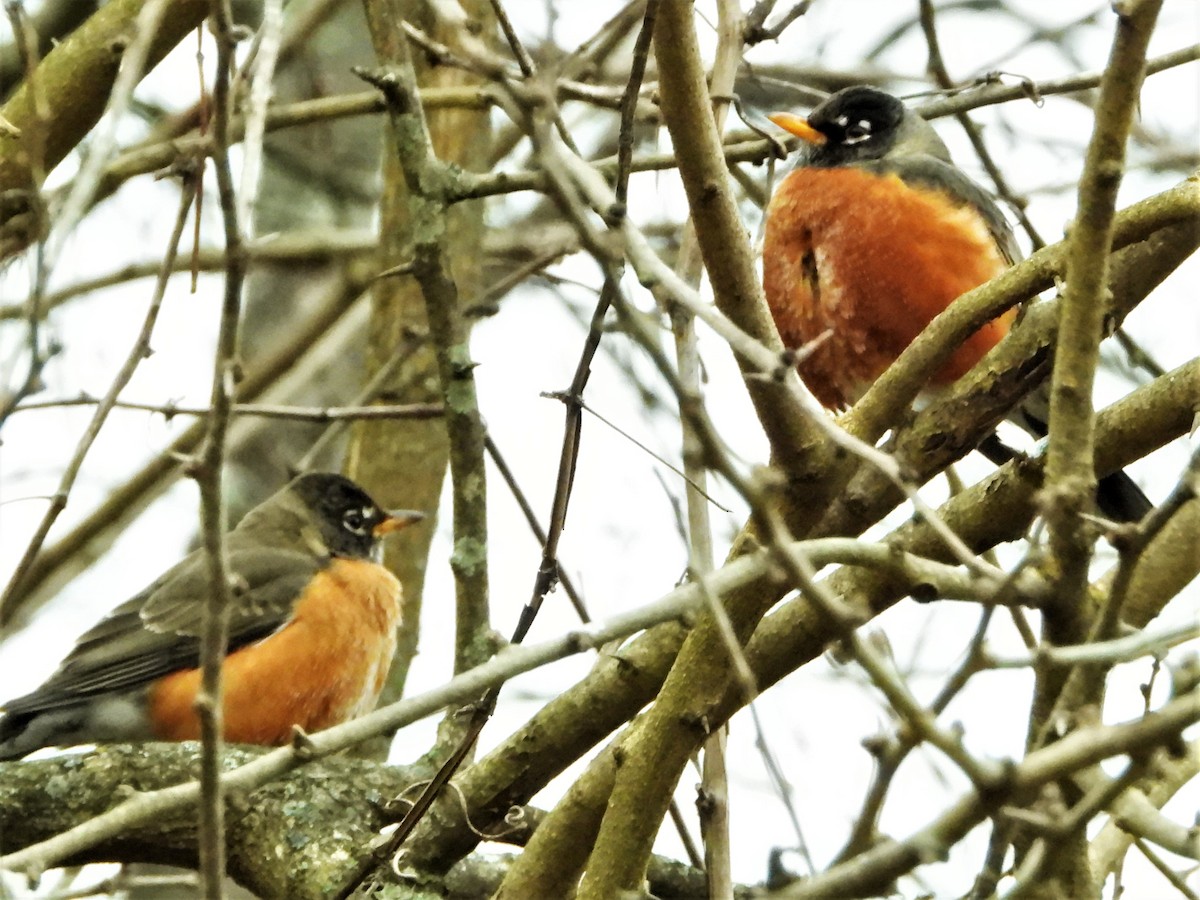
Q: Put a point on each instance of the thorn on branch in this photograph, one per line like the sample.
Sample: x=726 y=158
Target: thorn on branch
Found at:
x=185 y=166
x=793 y=356
x=33 y=875
x=1122 y=536
x=878 y=745
x=567 y=398
x=387 y=83
x=404 y=268
x=461 y=363
x=482 y=310
x=777 y=375
x=1028 y=86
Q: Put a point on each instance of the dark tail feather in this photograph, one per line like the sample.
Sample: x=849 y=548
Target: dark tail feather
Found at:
x=1117 y=496
x=1120 y=499
x=11 y=729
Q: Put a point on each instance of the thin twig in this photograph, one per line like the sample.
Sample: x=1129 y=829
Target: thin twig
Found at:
x=771 y=366
x=322 y=415
x=695 y=485
x=209 y=471
x=102 y=139
x=756 y=30
x=891 y=754
x=383 y=378
x=266 y=54
x=1132 y=542
x=1172 y=877
x=937 y=66
x=539 y=533
x=528 y=69
x=1110 y=652
x=81 y=545
x=872 y=871
x=104 y=406
x=34 y=139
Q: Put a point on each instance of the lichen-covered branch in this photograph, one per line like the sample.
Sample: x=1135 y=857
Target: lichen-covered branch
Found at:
x=290 y=838
x=442 y=244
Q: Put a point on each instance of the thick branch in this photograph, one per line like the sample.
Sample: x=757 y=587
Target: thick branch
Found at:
x=687 y=111
x=288 y=839
x=1070 y=473
x=60 y=106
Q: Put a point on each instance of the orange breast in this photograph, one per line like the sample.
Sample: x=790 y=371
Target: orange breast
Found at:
x=325 y=666
x=872 y=260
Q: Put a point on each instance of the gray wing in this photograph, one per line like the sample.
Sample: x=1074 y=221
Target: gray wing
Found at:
x=157 y=631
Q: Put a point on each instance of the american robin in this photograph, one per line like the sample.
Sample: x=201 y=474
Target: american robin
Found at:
x=869 y=238
x=311 y=634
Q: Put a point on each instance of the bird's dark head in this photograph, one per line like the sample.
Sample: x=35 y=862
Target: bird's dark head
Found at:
x=349 y=521
x=861 y=124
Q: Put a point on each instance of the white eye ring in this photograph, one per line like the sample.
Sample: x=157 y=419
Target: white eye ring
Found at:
x=355 y=520
x=858 y=132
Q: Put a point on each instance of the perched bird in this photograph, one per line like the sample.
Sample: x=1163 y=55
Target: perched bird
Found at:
x=872 y=235
x=312 y=631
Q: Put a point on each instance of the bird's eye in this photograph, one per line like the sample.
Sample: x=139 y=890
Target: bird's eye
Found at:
x=859 y=131
x=355 y=521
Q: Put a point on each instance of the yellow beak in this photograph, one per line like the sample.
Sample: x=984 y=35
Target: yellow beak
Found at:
x=798 y=125
x=397 y=519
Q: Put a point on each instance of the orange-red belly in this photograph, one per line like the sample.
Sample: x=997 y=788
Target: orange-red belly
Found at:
x=872 y=260
x=325 y=666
